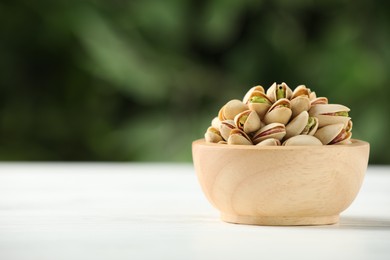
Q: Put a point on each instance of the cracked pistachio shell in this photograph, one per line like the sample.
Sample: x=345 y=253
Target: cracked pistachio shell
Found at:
x=269 y=142
x=312 y=95
x=296 y=126
x=215 y=122
x=349 y=126
x=222 y=142
x=232 y=108
x=248 y=94
x=279 y=112
x=225 y=128
x=279 y=91
x=325 y=120
x=273 y=130
x=301 y=90
x=212 y=135
x=321 y=109
x=302 y=140
x=239 y=137
x=319 y=100
x=332 y=134
x=260 y=107
x=324 y=114
x=221 y=117
x=311 y=130
x=299 y=104
x=248 y=121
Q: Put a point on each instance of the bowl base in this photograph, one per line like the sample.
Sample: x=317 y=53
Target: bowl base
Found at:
x=280 y=221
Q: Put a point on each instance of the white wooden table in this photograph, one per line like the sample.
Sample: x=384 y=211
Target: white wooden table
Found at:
x=157 y=211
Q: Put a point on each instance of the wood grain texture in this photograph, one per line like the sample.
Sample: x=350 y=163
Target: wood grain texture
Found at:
x=280 y=185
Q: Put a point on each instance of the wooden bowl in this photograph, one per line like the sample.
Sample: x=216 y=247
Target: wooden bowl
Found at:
x=280 y=185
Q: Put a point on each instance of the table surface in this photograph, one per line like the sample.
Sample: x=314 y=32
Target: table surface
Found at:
x=157 y=211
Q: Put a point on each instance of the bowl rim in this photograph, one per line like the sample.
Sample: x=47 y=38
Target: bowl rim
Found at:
x=354 y=143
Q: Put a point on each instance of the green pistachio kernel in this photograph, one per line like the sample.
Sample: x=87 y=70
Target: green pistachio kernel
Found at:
x=242 y=120
x=257 y=99
x=341 y=113
x=310 y=123
x=280 y=92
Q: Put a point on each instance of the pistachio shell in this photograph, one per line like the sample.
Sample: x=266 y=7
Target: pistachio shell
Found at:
x=325 y=120
x=225 y=127
x=248 y=121
x=301 y=90
x=273 y=130
x=349 y=126
x=260 y=108
x=232 y=108
x=321 y=109
x=269 y=142
x=212 y=135
x=248 y=94
x=324 y=114
x=346 y=139
x=302 y=140
x=215 y=122
x=222 y=142
x=328 y=133
x=312 y=130
x=272 y=92
x=319 y=100
x=299 y=104
x=296 y=126
x=279 y=112
x=239 y=137
x=312 y=95
x=221 y=117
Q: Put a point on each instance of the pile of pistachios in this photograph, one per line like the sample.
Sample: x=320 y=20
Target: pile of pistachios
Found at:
x=280 y=116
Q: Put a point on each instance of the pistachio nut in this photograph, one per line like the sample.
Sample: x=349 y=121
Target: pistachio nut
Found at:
x=279 y=112
x=302 y=140
x=301 y=124
x=279 y=91
x=215 y=122
x=259 y=102
x=349 y=126
x=348 y=133
x=225 y=127
x=329 y=114
x=312 y=95
x=299 y=104
x=269 y=142
x=311 y=126
x=318 y=100
x=332 y=134
x=232 y=108
x=221 y=117
x=248 y=121
x=273 y=130
x=239 y=137
x=301 y=90
x=248 y=94
x=212 y=135
x=300 y=100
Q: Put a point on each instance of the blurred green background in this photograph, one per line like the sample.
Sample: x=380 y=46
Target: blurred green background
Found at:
x=139 y=80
